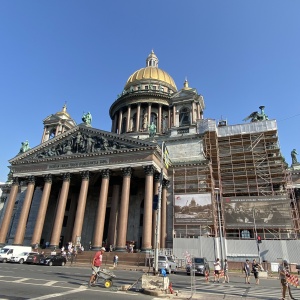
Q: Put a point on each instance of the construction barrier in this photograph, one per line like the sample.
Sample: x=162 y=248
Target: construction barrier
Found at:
x=293 y=280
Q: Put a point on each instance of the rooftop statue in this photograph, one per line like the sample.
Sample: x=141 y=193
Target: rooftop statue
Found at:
x=152 y=130
x=256 y=116
x=25 y=147
x=294 y=157
x=87 y=118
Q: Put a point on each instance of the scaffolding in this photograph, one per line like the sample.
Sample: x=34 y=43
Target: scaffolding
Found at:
x=247 y=162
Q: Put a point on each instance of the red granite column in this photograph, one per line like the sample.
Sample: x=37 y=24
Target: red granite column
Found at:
x=100 y=216
x=148 y=206
x=77 y=229
x=174 y=115
x=163 y=224
x=40 y=219
x=111 y=240
x=123 y=211
x=9 y=210
x=138 y=116
x=120 y=121
x=154 y=215
x=128 y=118
x=60 y=212
x=20 y=232
x=159 y=119
x=149 y=115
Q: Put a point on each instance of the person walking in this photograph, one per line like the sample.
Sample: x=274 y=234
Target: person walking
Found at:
x=96 y=264
x=256 y=267
x=226 y=277
x=115 y=260
x=246 y=269
x=217 y=269
x=283 y=271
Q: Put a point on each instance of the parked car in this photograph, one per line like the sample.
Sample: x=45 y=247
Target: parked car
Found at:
x=173 y=264
x=167 y=263
x=22 y=257
x=34 y=258
x=54 y=260
x=199 y=265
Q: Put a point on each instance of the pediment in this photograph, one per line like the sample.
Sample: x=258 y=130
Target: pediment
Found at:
x=82 y=141
x=190 y=93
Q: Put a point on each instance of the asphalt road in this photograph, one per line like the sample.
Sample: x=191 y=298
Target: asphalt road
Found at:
x=19 y=282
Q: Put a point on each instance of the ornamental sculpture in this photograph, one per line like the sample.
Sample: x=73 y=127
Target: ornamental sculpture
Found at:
x=25 y=147
x=81 y=143
x=294 y=157
x=87 y=118
x=256 y=116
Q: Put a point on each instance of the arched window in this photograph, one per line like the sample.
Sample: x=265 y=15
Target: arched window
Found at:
x=133 y=123
x=52 y=134
x=184 y=117
x=124 y=122
x=153 y=119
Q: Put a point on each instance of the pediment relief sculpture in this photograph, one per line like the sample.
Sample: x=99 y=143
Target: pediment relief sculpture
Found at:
x=81 y=143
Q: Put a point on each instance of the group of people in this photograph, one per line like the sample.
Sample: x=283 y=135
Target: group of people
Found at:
x=254 y=269
x=218 y=271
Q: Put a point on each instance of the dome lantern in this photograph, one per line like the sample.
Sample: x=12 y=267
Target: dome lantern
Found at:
x=152 y=60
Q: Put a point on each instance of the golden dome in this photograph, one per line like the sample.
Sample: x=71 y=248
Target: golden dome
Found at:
x=63 y=113
x=151 y=72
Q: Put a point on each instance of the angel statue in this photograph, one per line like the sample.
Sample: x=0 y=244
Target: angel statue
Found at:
x=25 y=147
x=294 y=157
x=87 y=118
x=256 y=116
x=152 y=130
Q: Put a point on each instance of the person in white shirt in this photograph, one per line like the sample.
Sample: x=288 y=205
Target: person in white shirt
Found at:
x=217 y=269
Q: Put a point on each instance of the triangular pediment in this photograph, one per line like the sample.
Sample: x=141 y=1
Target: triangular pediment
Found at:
x=82 y=141
x=184 y=93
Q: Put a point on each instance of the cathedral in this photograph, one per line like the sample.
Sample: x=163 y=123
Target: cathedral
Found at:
x=163 y=171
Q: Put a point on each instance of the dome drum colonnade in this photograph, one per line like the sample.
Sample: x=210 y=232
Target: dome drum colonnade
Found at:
x=117 y=229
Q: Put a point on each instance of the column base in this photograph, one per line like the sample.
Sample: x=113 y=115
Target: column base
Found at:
x=96 y=248
x=120 y=249
x=146 y=250
x=54 y=247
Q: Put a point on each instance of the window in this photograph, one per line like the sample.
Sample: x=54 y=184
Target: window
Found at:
x=184 y=117
x=146 y=87
x=245 y=234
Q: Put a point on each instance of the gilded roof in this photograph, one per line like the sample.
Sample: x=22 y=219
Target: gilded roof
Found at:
x=153 y=73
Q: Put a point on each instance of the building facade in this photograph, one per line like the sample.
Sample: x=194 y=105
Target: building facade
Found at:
x=94 y=187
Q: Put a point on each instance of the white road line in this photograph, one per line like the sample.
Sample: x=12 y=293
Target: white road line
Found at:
x=21 y=280
x=80 y=289
x=50 y=283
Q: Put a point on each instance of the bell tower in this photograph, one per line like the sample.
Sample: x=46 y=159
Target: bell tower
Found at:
x=56 y=124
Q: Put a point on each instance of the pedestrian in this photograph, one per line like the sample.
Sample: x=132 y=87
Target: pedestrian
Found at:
x=96 y=264
x=217 y=269
x=246 y=269
x=256 y=267
x=226 y=277
x=115 y=260
x=283 y=271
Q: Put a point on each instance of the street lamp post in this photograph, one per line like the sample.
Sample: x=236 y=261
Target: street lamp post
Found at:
x=217 y=190
x=158 y=213
x=255 y=232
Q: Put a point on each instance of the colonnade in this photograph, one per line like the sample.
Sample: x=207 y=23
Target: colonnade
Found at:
x=117 y=229
x=164 y=114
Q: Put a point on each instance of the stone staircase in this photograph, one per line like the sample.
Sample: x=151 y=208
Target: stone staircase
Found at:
x=125 y=259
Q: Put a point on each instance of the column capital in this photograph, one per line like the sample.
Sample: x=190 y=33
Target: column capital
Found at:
x=105 y=173
x=166 y=183
x=149 y=170
x=48 y=178
x=127 y=172
x=85 y=175
x=30 y=179
x=156 y=177
x=15 y=181
x=66 y=176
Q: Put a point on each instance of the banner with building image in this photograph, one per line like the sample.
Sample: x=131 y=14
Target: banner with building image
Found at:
x=193 y=208
x=264 y=211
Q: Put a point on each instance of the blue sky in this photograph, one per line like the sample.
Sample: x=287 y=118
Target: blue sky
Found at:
x=237 y=54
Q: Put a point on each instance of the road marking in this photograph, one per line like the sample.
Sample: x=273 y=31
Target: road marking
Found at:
x=80 y=289
x=50 y=283
x=21 y=280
